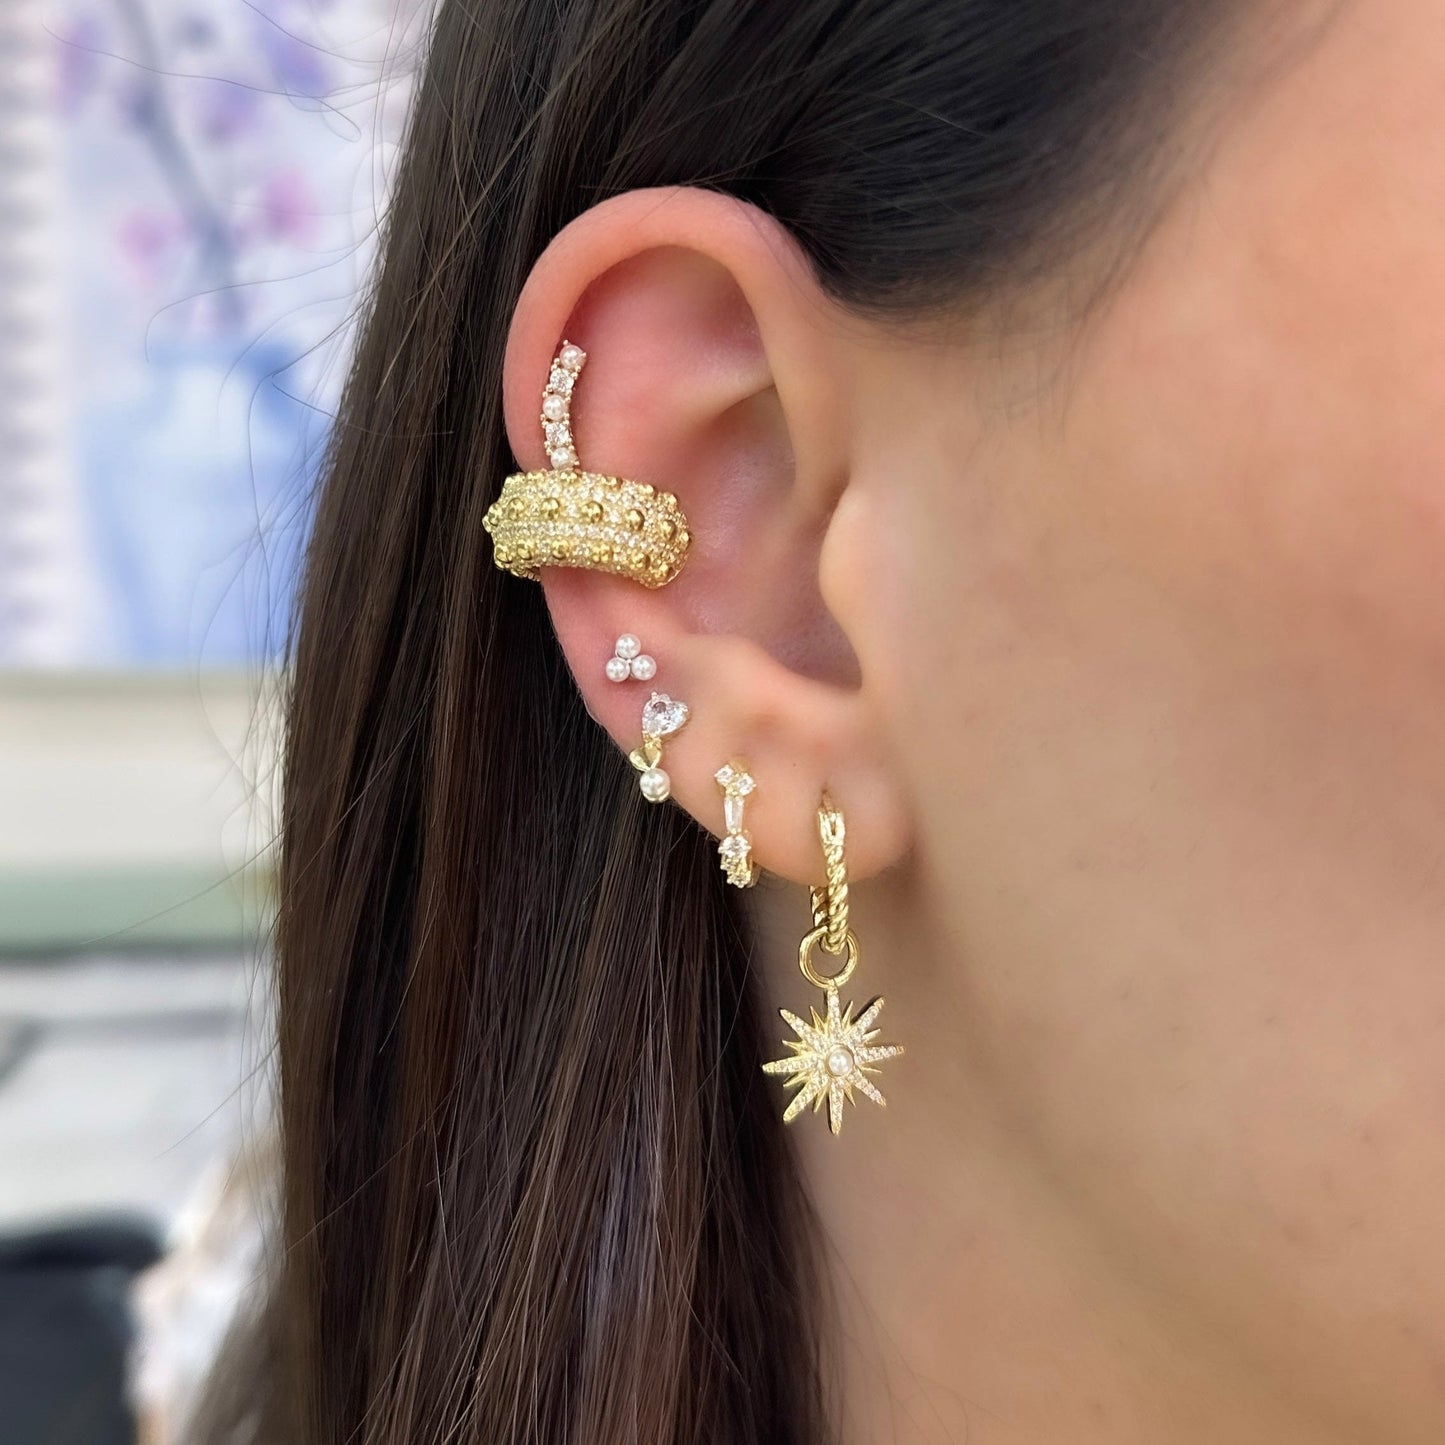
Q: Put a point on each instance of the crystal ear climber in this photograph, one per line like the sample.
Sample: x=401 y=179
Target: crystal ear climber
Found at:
x=567 y=517
x=833 y=1055
x=661 y=717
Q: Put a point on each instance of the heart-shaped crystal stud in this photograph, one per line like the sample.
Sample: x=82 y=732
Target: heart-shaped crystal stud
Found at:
x=662 y=716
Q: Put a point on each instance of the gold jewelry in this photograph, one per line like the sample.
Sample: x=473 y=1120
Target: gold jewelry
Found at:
x=661 y=717
x=736 y=848
x=833 y=1055
x=567 y=517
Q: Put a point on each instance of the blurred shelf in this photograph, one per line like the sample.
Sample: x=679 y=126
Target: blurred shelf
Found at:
x=136 y=1079
x=60 y=909
x=135 y=808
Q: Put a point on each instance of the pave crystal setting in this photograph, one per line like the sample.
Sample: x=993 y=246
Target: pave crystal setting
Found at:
x=832 y=1056
x=736 y=848
x=582 y=519
x=569 y=517
x=662 y=716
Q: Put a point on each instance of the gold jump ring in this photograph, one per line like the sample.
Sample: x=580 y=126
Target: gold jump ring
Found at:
x=827 y=981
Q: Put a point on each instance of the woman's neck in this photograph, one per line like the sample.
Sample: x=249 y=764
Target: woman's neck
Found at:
x=977 y=1294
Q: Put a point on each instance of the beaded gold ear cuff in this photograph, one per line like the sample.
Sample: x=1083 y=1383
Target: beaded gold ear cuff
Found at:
x=567 y=517
x=834 y=1055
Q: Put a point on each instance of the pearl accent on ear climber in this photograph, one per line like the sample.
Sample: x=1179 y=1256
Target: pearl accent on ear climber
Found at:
x=629 y=661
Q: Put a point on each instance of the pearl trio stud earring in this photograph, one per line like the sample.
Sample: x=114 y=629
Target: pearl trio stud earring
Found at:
x=629 y=660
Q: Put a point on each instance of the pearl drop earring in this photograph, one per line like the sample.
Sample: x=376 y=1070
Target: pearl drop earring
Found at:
x=629 y=660
x=661 y=717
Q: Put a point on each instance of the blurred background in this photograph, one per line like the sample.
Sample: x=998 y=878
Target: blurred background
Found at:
x=190 y=192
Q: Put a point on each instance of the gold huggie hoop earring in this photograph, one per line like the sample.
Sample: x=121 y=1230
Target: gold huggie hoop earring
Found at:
x=835 y=1054
x=736 y=848
x=566 y=517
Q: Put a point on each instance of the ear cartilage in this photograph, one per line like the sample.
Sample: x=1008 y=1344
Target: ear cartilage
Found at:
x=567 y=517
x=661 y=717
x=736 y=848
x=628 y=661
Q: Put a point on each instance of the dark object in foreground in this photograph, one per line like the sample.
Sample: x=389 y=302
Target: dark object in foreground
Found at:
x=66 y=1325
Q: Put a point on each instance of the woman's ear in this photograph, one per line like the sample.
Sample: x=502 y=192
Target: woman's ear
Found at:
x=717 y=370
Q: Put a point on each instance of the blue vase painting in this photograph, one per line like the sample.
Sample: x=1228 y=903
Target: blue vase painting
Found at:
x=223 y=168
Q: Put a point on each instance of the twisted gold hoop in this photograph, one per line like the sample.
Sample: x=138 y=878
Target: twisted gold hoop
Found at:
x=830 y=902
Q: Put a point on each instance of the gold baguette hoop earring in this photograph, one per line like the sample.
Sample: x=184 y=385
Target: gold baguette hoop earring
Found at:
x=567 y=517
x=835 y=1054
x=736 y=847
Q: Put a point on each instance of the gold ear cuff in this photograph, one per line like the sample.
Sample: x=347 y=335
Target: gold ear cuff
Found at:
x=567 y=517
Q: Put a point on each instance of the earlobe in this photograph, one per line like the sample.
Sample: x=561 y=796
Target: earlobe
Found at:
x=714 y=374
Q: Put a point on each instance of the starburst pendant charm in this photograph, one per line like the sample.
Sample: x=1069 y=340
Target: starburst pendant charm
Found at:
x=832 y=1056
x=835 y=1054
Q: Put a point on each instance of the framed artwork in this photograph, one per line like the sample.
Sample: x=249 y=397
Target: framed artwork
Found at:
x=194 y=189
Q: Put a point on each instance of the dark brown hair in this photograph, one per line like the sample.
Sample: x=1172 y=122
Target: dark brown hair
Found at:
x=535 y=1186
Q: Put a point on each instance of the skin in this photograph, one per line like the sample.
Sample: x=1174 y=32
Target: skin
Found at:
x=1123 y=649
